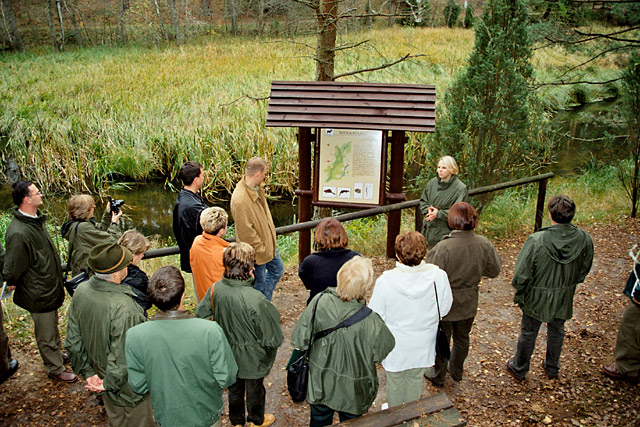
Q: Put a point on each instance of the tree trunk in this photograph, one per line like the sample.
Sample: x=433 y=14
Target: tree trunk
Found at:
x=327 y=30
x=234 y=17
x=391 y=19
x=10 y=26
x=52 y=31
x=634 y=181
x=174 y=20
x=121 y=22
x=261 y=6
x=186 y=19
x=163 y=32
x=77 y=32
x=59 y=11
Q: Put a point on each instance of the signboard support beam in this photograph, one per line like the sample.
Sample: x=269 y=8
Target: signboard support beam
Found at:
x=304 y=192
x=395 y=194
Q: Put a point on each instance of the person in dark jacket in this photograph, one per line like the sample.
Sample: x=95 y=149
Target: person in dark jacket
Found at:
x=32 y=267
x=252 y=326
x=8 y=365
x=466 y=258
x=186 y=212
x=549 y=267
x=438 y=196
x=627 y=352
x=136 y=279
x=318 y=271
x=83 y=232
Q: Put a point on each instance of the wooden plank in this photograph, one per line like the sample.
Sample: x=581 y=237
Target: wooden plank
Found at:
x=313 y=118
x=400 y=414
x=445 y=418
x=344 y=125
x=349 y=90
x=391 y=104
x=281 y=83
x=373 y=96
x=340 y=110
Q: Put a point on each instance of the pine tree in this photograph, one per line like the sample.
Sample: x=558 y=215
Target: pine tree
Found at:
x=490 y=120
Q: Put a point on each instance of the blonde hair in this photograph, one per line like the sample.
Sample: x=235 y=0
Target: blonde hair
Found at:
x=213 y=220
x=134 y=241
x=255 y=165
x=80 y=206
x=355 y=278
x=238 y=259
x=450 y=163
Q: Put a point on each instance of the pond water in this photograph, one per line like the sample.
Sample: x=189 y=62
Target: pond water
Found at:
x=149 y=206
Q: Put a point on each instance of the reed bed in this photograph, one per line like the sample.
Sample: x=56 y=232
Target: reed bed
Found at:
x=87 y=118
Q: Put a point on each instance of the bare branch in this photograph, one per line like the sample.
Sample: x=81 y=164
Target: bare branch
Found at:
x=380 y=67
x=292 y=42
x=593 y=58
x=245 y=96
x=609 y=36
x=586 y=82
x=349 y=46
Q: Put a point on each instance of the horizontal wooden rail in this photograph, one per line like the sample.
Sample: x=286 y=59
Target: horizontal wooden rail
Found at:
x=378 y=210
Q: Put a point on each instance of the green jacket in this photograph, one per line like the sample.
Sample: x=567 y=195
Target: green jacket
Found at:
x=184 y=363
x=250 y=322
x=342 y=365
x=1 y=262
x=441 y=195
x=549 y=267
x=88 y=234
x=466 y=258
x=32 y=264
x=99 y=316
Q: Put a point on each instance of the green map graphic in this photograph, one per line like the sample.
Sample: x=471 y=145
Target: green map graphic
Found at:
x=338 y=168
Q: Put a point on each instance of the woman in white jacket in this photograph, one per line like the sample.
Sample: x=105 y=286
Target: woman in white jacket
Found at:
x=405 y=298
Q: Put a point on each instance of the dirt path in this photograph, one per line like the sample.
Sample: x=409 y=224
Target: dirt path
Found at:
x=487 y=396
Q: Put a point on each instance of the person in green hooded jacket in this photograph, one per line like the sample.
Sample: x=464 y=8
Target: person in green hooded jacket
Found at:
x=342 y=365
x=252 y=327
x=548 y=269
x=438 y=196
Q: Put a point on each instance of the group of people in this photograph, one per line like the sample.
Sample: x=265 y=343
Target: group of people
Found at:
x=172 y=370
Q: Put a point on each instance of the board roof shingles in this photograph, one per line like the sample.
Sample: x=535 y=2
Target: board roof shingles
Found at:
x=376 y=106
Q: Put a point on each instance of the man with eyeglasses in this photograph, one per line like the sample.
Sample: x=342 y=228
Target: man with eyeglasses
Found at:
x=32 y=267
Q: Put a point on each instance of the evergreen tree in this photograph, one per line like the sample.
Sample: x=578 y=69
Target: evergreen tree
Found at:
x=490 y=118
x=468 y=16
x=450 y=12
x=630 y=107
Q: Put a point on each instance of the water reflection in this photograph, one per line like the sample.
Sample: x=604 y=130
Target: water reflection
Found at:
x=148 y=208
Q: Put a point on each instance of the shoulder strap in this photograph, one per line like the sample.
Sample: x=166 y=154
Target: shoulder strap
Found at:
x=352 y=320
x=71 y=248
x=435 y=289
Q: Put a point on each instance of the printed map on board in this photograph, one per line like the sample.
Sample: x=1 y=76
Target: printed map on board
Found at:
x=338 y=167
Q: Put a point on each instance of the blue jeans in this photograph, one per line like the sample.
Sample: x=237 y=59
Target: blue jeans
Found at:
x=267 y=276
x=527 y=343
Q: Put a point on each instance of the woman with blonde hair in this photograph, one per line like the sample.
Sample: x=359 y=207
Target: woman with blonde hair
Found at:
x=83 y=232
x=408 y=299
x=137 y=279
x=438 y=196
x=342 y=363
x=318 y=271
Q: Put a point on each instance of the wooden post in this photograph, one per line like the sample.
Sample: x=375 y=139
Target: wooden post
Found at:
x=395 y=193
x=304 y=190
x=542 y=191
x=419 y=218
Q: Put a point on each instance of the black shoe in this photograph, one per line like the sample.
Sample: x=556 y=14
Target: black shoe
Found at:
x=13 y=367
x=513 y=372
x=434 y=382
x=549 y=374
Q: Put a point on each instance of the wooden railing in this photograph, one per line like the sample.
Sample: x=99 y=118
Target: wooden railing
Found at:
x=308 y=225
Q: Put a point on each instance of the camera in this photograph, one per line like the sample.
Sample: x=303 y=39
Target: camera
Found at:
x=115 y=205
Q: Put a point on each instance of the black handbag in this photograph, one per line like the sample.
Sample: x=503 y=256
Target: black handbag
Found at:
x=298 y=366
x=71 y=284
x=442 y=344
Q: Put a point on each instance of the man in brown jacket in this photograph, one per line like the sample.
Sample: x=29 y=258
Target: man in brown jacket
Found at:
x=254 y=225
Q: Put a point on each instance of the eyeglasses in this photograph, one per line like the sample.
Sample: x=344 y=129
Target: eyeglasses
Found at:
x=39 y=193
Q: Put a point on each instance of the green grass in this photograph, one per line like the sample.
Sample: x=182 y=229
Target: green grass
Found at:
x=89 y=118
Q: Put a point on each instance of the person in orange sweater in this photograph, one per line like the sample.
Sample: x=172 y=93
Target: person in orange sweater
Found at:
x=206 y=252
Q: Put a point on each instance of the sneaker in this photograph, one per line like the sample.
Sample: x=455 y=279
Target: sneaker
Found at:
x=268 y=420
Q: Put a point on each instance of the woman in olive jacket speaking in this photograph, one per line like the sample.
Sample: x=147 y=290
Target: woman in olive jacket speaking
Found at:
x=466 y=257
x=342 y=365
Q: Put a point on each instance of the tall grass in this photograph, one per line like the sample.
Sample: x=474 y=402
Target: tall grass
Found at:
x=85 y=118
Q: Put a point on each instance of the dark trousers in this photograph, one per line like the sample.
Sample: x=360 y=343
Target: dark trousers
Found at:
x=5 y=352
x=458 y=330
x=527 y=342
x=322 y=415
x=255 y=394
